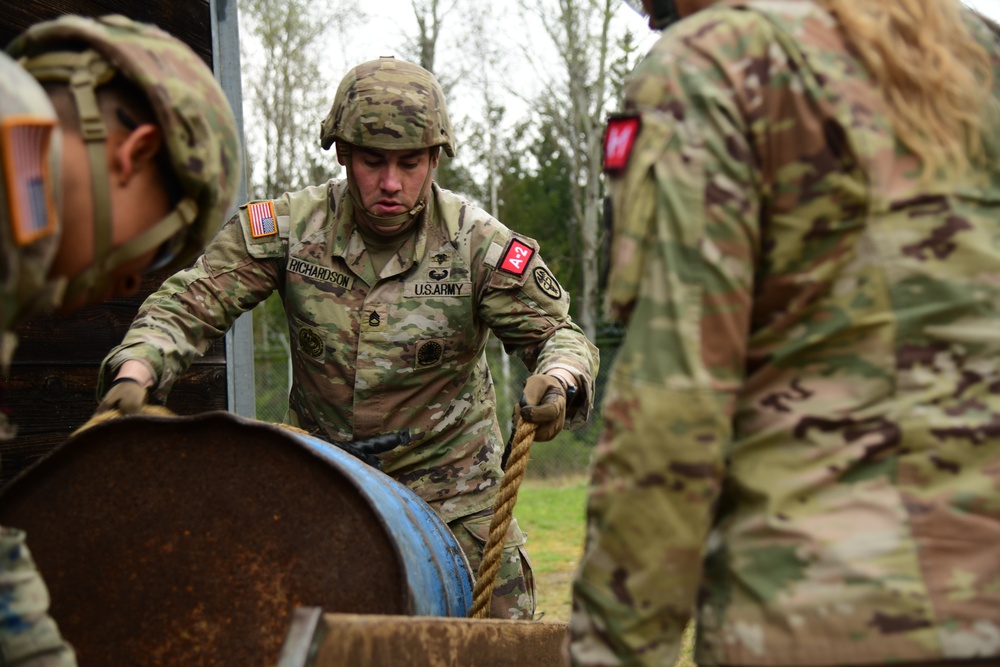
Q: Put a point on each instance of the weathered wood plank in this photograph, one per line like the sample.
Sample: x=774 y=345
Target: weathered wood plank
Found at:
x=50 y=389
x=372 y=640
x=189 y=20
x=50 y=402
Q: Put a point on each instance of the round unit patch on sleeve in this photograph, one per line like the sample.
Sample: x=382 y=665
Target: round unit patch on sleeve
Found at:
x=25 y=146
x=515 y=259
x=547 y=282
x=619 y=138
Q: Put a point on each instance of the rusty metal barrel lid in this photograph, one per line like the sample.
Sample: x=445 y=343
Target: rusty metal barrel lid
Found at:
x=190 y=540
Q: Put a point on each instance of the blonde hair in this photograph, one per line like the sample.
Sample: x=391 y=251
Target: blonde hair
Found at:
x=936 y=77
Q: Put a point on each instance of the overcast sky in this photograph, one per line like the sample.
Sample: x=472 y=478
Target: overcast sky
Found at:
x=391 y=22
x=527 y=53
x=989 y=7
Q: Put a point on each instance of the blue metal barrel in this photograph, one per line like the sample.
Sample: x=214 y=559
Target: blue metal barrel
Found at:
x=436 y=569
x=191 y=540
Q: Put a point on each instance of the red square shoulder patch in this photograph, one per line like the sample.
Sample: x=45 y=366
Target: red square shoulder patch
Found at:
x=515 y=260
x=619 y=138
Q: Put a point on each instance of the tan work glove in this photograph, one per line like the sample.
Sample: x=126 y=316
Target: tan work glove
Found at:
x=127 y=395
x=543 y=403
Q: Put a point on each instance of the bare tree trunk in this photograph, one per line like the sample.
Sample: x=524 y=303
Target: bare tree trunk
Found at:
x=581 y=32
x=285 y=39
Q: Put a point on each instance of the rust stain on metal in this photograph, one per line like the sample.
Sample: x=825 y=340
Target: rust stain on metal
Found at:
x=189 y=541
x=373 y=641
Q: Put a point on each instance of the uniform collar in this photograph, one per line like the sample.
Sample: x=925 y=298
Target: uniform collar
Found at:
x=347 y=243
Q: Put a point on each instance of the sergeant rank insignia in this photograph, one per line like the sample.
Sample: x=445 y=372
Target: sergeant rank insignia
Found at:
x=619 y=138
x=515 y=260
x=262 y=219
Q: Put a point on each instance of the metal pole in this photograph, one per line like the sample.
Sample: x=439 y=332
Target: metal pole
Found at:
x=226 y=65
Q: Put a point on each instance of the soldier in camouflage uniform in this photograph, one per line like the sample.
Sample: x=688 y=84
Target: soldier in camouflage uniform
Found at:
x=391 y=286
x=121 y=137
x=802 y=430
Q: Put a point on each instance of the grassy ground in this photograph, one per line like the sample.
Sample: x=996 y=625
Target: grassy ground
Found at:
x=552 y=513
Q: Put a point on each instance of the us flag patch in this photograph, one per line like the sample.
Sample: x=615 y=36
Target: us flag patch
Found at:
x=516 y=259
x=262 y=220
x=25 y=144
x=619 y=137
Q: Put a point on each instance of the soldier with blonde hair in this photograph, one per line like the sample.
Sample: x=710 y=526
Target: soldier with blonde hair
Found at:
x=801 y=447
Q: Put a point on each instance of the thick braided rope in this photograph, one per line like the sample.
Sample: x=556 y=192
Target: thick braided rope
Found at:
x=503 y=512
x=157 y=410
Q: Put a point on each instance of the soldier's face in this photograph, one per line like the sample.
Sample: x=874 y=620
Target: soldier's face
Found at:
x=138 y=202
x=391 y=182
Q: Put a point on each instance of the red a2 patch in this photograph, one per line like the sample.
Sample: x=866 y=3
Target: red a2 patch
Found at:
x=516 y=259
x=619 y=138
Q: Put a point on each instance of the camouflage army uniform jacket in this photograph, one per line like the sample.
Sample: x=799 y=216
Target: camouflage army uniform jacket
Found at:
x=29 y=235
x=802 y=430
x=29 y=226
x=379 y=354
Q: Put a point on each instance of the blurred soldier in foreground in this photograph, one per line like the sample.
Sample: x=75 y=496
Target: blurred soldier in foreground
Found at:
x=119 y=155
x=802 y=435
x=391 y=287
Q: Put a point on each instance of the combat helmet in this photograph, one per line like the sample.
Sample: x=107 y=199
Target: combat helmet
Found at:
x=388 y=104
x=200 y=133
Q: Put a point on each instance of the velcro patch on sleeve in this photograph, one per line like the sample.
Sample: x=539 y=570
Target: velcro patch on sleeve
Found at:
x=25 y=143
x=493 y=255
x=515 y=259
x=263 y=221
x=619 y=138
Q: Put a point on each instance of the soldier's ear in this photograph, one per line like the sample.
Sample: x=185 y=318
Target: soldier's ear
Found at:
x=435 y=156
x=134 y=151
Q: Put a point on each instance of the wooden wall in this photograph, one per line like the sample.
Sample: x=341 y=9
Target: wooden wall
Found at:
x=187 y=19
x=52 y=382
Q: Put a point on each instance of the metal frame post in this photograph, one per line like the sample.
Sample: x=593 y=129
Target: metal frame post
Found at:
x=239 y=338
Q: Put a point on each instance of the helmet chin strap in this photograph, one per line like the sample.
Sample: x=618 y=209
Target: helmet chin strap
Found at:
x=83 y=84
x=383 y=221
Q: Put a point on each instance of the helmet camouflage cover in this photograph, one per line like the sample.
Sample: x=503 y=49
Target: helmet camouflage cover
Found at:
x=191 y=109
x=389 y=104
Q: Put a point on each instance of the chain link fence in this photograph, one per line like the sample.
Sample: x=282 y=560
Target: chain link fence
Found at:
x=566 y=456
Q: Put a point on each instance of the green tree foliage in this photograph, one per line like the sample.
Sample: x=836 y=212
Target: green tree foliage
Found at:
x=536 y=198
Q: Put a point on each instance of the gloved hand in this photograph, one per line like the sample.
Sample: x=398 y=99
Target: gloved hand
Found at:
x=543 y=403
x=127 y=395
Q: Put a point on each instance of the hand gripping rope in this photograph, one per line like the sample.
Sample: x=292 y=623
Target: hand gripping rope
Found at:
x=503 y=512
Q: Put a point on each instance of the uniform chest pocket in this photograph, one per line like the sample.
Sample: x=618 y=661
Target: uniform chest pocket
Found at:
x=436 y=318
x=430 y=310
x=307 y=340
x=428 y=353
